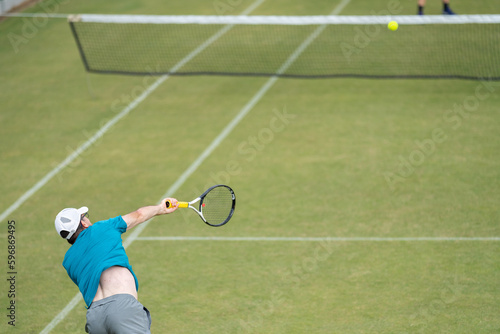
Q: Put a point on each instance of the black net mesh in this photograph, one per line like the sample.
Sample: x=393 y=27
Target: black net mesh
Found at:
x=469 y=51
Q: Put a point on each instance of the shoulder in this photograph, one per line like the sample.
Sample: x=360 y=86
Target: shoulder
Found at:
x=115 y=222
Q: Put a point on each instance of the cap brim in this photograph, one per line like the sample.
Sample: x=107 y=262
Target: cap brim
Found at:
x=83 y=210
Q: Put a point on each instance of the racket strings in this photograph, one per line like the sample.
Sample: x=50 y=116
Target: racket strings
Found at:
x=217 y=205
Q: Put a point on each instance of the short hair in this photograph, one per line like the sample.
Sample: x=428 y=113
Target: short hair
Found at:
x=72 y=240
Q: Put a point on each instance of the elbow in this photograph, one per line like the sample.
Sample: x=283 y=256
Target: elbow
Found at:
x=140 y=216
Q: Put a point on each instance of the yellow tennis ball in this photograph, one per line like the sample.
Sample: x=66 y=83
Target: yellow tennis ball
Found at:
x=393 y=25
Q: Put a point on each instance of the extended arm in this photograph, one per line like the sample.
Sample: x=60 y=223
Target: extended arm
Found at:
x=147 y=212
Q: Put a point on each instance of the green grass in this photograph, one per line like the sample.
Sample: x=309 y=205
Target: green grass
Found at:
x=322 y=174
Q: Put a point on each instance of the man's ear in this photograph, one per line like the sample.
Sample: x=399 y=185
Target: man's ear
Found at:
x=85 y=224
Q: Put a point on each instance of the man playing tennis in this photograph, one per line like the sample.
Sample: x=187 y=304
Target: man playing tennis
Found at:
x=98 y=265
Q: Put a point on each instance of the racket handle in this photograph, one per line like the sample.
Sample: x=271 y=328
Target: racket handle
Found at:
x=179 y=204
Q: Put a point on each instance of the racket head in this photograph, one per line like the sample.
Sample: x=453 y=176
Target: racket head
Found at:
x=217 y=205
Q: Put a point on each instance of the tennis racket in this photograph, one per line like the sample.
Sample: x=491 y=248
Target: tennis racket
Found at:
x=216 y=205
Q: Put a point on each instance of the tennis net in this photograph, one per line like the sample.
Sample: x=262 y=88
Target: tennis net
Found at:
x=461 y=46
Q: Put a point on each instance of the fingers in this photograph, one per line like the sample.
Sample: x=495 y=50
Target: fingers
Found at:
x=170 y=204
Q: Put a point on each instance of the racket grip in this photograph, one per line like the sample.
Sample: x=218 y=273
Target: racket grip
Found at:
x=179 y=204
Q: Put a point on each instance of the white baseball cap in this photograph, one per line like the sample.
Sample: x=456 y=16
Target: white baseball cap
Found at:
x=68 y=220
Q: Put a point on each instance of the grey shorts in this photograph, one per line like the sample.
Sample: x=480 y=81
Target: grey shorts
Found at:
x=118 y=314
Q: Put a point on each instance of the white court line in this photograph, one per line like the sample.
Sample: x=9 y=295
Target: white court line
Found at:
x=75 y=154
x=249 y=105
x=316 y=239
x=137 y=230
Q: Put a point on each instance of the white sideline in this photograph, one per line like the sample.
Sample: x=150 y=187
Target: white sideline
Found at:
x=137 y=230
x=77 y=298
x=316 y=239
x=75 y=154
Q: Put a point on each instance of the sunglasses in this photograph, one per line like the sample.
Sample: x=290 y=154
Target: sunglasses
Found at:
x=86 y=214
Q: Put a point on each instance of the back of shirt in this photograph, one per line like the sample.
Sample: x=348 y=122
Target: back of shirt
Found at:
x=96 y=249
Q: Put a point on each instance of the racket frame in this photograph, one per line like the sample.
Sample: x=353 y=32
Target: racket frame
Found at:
x=200 y=199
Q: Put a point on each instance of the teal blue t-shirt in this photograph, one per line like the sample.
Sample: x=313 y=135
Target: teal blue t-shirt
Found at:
x=97 y=248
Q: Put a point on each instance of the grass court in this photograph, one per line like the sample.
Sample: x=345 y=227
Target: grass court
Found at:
x=363 y=205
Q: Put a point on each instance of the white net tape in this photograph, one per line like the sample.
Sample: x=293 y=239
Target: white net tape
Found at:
x=287 y=20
